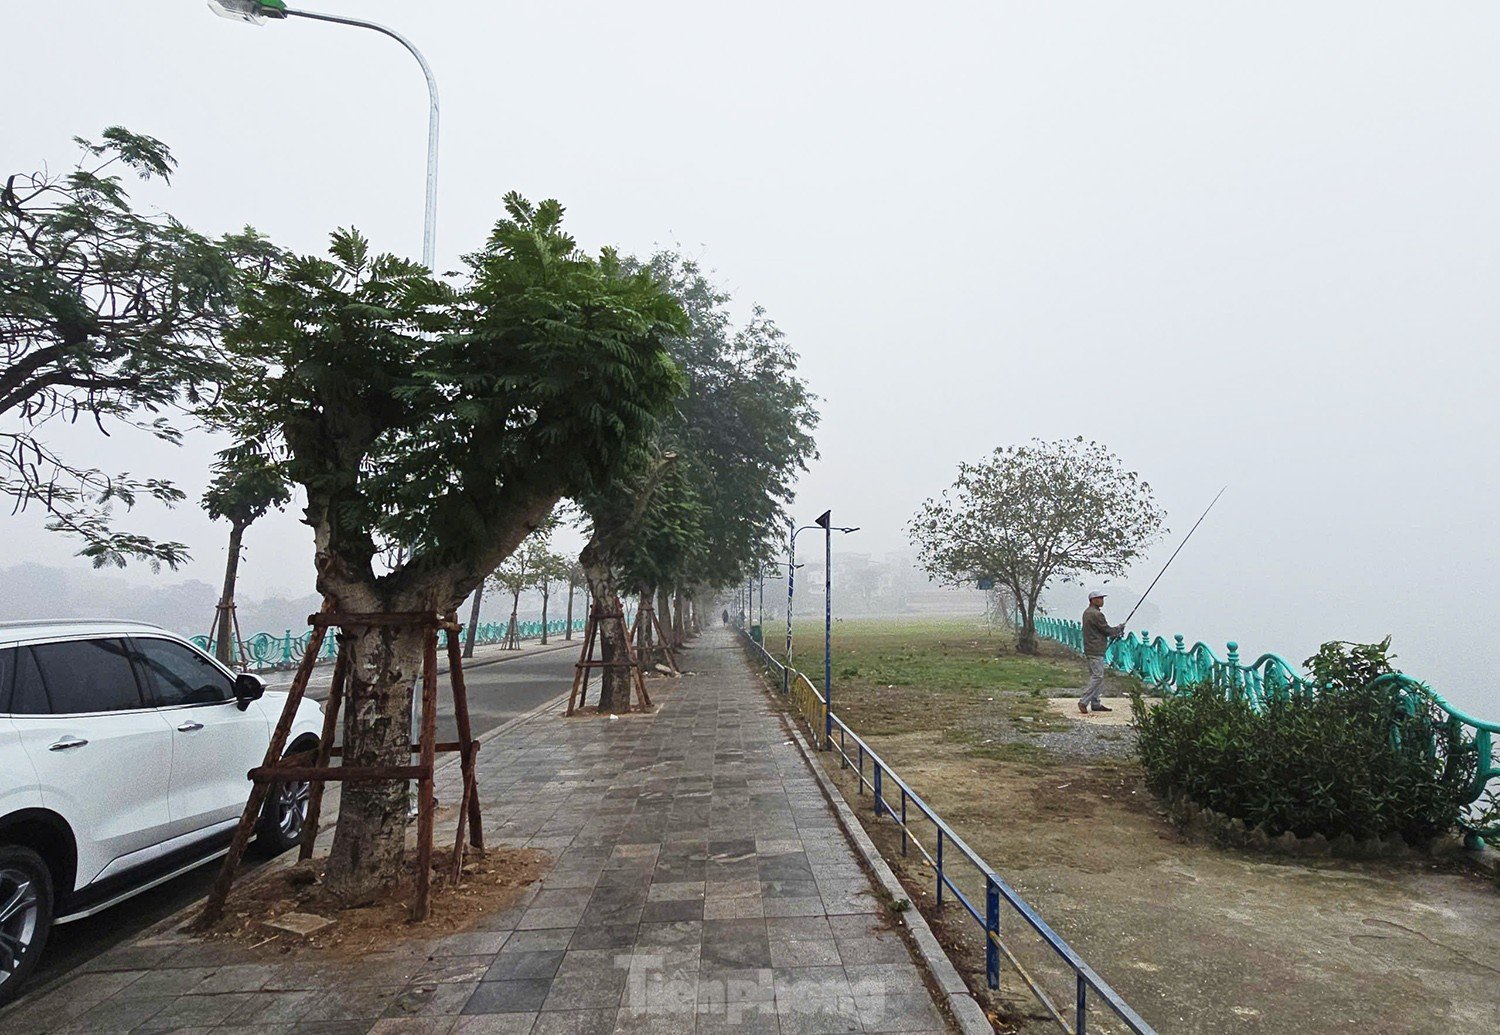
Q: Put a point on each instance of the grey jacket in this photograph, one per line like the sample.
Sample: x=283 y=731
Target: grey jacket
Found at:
x=1097 y=632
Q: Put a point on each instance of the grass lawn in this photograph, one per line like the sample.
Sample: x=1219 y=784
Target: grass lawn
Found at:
x=956 y=676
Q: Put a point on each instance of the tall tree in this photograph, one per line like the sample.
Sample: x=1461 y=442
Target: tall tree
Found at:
x=108 y=316
x=1030 y=514
x=736 y=441
x=245 y=486
x=521 y=571
x=448 y=419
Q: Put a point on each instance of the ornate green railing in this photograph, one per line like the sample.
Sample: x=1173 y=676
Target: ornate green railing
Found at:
x=267 y=650
x=1167 y=666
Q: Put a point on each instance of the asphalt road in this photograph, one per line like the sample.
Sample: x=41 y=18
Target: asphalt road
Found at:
x=498 y=692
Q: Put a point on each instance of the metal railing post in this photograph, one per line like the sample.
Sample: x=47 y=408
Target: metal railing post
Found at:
x=940 y=867
x=903 y=821
x=1081 y=1015
x=878 y=802
x=992 y=932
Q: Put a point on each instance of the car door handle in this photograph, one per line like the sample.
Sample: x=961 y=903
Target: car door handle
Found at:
x=66 y=742
x=189 y=726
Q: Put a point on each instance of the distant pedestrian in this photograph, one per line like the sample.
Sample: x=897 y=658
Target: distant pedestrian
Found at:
x=725 y=619
x=1097 y=632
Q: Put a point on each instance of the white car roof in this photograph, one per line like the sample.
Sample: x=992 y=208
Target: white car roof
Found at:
x=18 y=632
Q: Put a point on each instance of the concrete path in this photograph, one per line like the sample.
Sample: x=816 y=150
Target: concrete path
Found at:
x=700 y=884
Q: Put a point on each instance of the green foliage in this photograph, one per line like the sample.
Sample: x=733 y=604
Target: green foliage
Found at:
x=449 y=419
x=1362 y=756
x=245 y=486
x=709 y=494
x=1030 y=514
x=109 y=316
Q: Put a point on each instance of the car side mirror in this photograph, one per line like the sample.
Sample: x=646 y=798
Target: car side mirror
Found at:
x=248 y=687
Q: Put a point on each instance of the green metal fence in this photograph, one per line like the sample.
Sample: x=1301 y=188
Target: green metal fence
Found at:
x=268 y=651
x=1168 y=666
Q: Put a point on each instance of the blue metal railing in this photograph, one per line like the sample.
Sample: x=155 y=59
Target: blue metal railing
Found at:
x=269 y=651
x=1168 y=666
x=813 y=709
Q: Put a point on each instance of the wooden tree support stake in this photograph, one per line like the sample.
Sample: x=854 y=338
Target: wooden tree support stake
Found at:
x=314 y=766
x=578 y=696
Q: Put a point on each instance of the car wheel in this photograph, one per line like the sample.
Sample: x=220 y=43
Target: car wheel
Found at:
x=282 y=816
x=25 y=915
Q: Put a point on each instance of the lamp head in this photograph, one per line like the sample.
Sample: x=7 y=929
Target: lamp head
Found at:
x=251 y=12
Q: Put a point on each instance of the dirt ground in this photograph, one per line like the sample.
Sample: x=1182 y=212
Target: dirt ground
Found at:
x=1195 y=937
x=492 y=882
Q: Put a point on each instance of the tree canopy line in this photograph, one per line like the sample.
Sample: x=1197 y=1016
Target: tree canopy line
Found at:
x=435 y=425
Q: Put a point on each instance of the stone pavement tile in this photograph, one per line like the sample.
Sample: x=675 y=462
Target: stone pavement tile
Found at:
x=349 y=1004
x=799 y=928
x=805 y=952
x=575 y=1022
x=470 y=943
x=638 y=1021
x=413 y=1026
x=431 y=1000
x=495 y=1024
x=797 y=983
x=744 y=887
x=675 y=891
x=899 y=1013
x=133 y=957
x=200 y=1011
x=272 y=1008
x=240 y=977
x=656 y=912
x=751 y=908
x=751 y=1018
x=818 y=1016
x=794 y=907
x=598 y=991
x=525 y=996
x=872 y=979
x=521 y=965
x=604 y=936
x=553 y=938
x=863 y=939
x=110 y=1015
x=453 y=970
x=727 y=987
x=169 y=981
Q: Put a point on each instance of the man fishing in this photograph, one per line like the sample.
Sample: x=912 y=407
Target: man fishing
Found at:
x=1097 y=632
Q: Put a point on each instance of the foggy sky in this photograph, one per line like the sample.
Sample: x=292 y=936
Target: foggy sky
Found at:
x=1239 y=243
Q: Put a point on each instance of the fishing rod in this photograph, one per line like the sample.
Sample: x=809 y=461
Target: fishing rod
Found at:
x=1170 y=559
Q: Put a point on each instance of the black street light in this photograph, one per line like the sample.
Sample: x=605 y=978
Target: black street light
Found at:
x=825 y=522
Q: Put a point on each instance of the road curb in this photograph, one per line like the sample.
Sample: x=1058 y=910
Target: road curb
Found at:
x=961 y=1004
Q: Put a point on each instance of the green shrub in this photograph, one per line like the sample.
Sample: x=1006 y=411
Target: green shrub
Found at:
x=1362 y=756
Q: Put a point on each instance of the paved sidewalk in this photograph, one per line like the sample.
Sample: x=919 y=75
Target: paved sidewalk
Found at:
x=700 y=884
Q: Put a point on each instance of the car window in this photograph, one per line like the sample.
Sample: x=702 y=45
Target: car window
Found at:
x=7 y=668
x=78 y=676
x=182 y=676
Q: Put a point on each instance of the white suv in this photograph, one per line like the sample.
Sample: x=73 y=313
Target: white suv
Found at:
x=123 y=759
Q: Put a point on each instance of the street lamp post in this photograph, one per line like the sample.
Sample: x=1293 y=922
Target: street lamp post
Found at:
x=257 y=12
x=825 y=522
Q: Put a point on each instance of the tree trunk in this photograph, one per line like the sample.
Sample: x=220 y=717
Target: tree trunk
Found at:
x=614 y=645
x=679 y=621
x=224 y=648
x=546 y=592
x=1026 y=634
x=473 y=628
x=664 y=615
x=513 y=631
x=568 y=633
x=369 y=843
